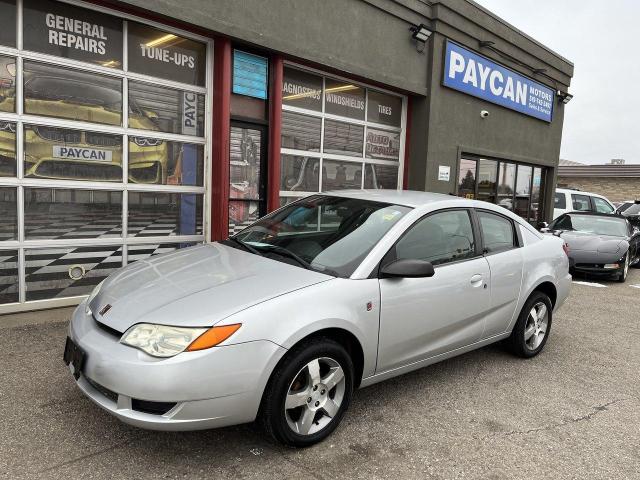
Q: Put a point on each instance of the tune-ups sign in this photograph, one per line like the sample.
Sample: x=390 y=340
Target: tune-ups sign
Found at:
x=476 y=75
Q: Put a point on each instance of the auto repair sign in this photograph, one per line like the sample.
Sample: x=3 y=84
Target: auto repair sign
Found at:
x=476 y=75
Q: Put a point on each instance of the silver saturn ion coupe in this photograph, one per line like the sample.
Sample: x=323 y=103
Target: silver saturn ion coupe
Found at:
x=284 y=320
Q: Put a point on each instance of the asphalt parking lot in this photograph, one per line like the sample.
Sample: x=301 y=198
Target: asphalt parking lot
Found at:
x=572 y=412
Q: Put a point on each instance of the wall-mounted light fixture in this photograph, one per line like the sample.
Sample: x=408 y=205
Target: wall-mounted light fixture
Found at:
x=564 y=97
x=420 y=33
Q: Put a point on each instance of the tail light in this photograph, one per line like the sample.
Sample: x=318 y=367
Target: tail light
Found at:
x=565 y=247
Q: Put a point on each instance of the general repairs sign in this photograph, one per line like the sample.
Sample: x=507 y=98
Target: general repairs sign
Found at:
x=476 y=75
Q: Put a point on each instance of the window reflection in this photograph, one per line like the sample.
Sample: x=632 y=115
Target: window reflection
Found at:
x=8 y=276
x=523 y=190
x=299 y=174
x=301 y=132
x=68 y=154
x=381 y=176
x=245 y=163
x=467 y=178
x=7 y=149
x=343 y=138
x=338 y=175
x=506 y=185
x=76 y=95
x=61 y=213
x=487 y=176
x=152 y=160
x=7 y=83
x=8 y=214
x=164 y=109
x=164 y=214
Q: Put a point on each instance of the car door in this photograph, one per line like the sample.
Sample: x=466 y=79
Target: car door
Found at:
x=600 y=205
x=423 y=317
x=501 y=248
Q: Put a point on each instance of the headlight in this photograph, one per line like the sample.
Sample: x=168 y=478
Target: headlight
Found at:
x=167 y=341
x=93 y=294
x=146 y=142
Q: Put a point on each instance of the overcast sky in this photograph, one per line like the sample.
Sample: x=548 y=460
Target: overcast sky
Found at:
x=601 y=39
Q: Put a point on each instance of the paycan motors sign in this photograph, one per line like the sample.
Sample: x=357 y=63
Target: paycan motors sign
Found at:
x=476 y=75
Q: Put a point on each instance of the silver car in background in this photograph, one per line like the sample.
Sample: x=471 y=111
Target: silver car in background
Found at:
x=283 y=321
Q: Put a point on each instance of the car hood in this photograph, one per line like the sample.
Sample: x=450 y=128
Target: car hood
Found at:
x=197 y=286
x=580 y=241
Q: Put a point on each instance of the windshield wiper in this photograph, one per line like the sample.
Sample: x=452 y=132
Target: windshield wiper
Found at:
x=246 y=246
x=288 y=253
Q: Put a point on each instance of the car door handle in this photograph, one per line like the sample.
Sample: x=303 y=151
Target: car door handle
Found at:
x=476 y=280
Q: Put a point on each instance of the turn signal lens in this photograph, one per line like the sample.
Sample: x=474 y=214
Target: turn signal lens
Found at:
x=213 y=337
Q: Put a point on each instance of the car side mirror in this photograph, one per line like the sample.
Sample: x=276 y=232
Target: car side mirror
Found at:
x=407 y=268
x=543 y=225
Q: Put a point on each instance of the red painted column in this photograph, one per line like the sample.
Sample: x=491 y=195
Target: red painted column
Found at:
x=221 y=139
x=275 y=125
x=405 y=178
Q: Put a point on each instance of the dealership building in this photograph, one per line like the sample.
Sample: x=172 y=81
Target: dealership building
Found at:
x=133 y=128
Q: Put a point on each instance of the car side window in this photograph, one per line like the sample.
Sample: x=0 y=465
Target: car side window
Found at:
x=560 y=201
x=580 y=203
x=497 y=232
x=439 y=238
x=602 y=206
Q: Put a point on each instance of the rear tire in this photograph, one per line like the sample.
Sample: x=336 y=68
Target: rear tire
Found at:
x=308 y=393
x=533 y=326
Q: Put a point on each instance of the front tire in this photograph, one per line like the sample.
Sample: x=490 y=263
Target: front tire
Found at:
x=622 y=276
x=308 y=393
x=533 y=326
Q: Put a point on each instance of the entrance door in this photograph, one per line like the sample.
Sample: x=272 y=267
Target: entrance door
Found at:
x=423 y=317
x=247 y=175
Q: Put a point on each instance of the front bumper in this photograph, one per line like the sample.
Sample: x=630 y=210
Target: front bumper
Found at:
x=211 y=388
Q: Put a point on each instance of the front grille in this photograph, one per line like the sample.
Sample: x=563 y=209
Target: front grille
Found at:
x=113 y=396
x=154 y=408
x=102 y=139
x=67 y=169
x=107 y=329
x=58 y=134
x=145 y=174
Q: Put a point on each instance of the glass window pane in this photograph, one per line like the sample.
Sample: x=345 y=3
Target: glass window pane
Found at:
x=536 y=208
x=163 y=109
x=68 y=271
x=8 y=23
x=559 y=200
x=523 y=190
x=142 y=252
x=61 y=213
x=439 y=238
x=67 y=154
x=7 y=149
x=344 y=99
x=506 y=184
x=337 y=175
x=467 y=178
x=69 y=31
x=343 y=138
x=381 y=176
x=299 y=174
x=8 y=214
x=242 y=214
x=497 y=232
x=487 y=176
x=152 y=160
x=64 y=93
x=601 y=206
x=7 y=82
x=244 y=168
x=302 y=89
x=8 y=276
x=301 y=132
x=580 y=203
x=382 y=145
x=164 y=214
x=161 y=54
x=384 y=108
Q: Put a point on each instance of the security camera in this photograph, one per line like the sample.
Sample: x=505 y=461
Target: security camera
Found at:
x=484 y=113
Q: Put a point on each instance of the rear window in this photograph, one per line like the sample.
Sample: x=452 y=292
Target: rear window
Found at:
x=633 y=209
x=560 y=200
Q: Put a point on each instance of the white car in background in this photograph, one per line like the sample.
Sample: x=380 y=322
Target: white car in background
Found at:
x=570 y=200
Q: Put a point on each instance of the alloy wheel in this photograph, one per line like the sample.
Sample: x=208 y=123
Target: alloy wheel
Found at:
x=536 y=327
x=315 y=396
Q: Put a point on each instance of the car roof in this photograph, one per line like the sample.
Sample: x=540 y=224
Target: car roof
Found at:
x=408 y=198
x=580 y=192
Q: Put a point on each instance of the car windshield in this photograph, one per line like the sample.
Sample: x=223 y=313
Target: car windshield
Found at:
x=52 y=88
x=324 y=233
x=598 y=225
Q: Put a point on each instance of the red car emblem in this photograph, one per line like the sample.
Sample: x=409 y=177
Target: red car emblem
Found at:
x=105 y=309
